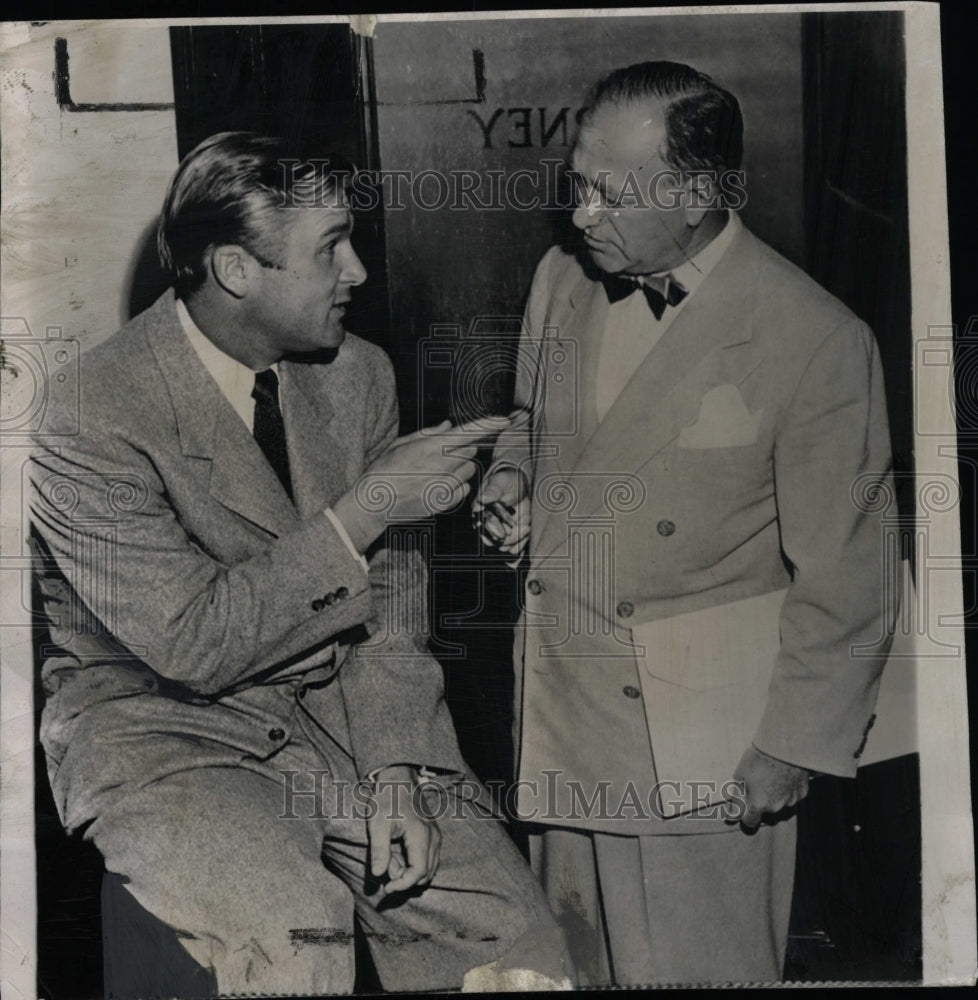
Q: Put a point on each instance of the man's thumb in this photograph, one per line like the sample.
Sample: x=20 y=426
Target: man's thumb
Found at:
x=751 y=818
x=488 y=492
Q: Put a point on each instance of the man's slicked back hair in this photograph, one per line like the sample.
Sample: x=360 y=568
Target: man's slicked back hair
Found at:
x=704 y=126
x=238 y=188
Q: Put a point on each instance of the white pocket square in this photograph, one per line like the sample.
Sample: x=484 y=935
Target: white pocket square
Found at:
x=724 y=421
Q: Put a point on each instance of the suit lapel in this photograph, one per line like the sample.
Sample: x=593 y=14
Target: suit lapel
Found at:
x=665 y=392
x=579 y=309
x=210 y=431
x=316 y=456
x=588 y=313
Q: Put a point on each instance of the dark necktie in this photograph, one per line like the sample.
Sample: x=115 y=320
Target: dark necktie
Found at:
x=269 y=426
x=619 y=288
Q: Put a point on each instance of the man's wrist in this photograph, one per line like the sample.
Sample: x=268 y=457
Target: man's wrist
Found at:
x=395 y=774
x=781 y=760
x=361 y=526
x=340 y=529
x=505 y=465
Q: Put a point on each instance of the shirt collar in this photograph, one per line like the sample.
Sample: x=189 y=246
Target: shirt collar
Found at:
x=234 y=379
x=691 y=273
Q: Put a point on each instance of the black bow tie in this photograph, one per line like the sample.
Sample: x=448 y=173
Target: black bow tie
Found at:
x=619 y=288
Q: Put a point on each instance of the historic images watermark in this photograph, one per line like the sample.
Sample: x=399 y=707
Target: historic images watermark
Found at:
x=315 y=795
x=552 y=185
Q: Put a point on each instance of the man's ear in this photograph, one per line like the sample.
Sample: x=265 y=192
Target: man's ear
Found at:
x=232 y=267
x=700 y=193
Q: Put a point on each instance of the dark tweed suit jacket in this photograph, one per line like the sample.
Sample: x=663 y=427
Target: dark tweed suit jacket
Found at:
x=185 y=587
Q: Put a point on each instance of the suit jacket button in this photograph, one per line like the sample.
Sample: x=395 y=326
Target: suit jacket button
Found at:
x=534 y=587
x=330 y=598
x=318 y=604
x=342 y=593
x=276 y=735
x=625 y=609
x=630 y=692
x=665 y=528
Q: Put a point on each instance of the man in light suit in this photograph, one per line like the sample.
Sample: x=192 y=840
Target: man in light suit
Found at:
x=705 y=616
x=242 y=713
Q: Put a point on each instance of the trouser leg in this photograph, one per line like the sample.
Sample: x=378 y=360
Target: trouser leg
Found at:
x=482 y=905
x=697 y=908
x=207 y=852
x=680 y=909
x=563 y=861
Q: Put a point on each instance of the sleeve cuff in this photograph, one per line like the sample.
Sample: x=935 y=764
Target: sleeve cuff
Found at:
x=341 y=531
x=502 y=463
x=425 y=773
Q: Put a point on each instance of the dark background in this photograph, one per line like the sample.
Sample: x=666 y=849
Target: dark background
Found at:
x=857 y=901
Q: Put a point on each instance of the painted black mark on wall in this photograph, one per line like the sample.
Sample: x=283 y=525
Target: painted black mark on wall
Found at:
x=479 y=74
x=62 y=90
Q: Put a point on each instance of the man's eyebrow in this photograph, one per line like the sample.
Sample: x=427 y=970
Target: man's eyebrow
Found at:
x=601 y=183
x=336 y=229
x=598 y=182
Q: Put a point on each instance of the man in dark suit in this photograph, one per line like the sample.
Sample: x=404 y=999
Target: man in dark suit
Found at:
x=241 y=710
x=705 y=616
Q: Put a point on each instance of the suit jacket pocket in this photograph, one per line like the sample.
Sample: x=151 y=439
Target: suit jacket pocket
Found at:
x=724 y=421
x=704 y=679
x=714 y=647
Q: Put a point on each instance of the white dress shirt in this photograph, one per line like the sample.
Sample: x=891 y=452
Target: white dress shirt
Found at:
x=631 y=329
x=236 y=382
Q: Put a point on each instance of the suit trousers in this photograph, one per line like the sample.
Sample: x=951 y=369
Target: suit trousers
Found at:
x=687 y=909
x=263 y=883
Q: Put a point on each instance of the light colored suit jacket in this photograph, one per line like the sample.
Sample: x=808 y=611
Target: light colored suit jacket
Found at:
x=706 y=563
x=185 y=586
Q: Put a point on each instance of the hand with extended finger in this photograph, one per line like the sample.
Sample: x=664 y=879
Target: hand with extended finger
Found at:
x=419 y=475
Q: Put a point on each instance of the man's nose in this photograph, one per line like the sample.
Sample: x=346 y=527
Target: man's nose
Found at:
x=586 y=216
x=590 y=208
x=354 y=273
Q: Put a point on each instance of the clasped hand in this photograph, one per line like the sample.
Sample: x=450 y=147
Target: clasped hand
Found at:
x=501 y=510
x=769 y=785
x=405 y=842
